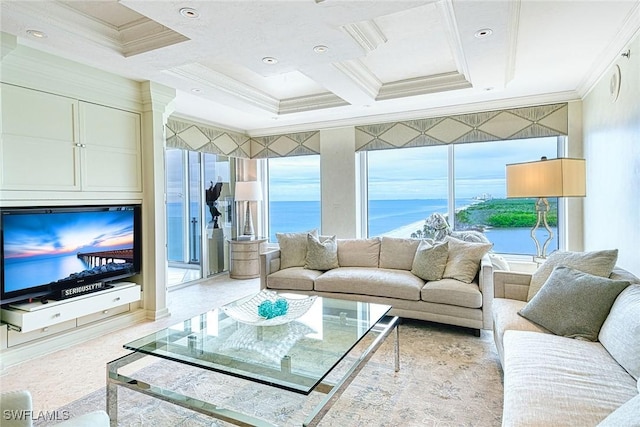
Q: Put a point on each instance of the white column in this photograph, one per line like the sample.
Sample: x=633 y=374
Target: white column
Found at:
x=339 y=177
x=157 y=107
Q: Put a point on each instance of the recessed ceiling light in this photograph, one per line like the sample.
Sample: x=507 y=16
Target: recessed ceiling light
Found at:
x=189 y=12
x=485 y=32
x=196 y=90
x=37 y=34
x=269 y=60
x=320 y=49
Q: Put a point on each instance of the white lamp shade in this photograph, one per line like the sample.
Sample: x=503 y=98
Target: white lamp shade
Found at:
x=547 y=178
x=250 y=191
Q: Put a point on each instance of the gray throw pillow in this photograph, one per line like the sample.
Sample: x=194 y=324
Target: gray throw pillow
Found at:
x=572 y=303
x=321 y=255
x=429 y=261
x=293 y=248
x=598 y=263
x=464 y=259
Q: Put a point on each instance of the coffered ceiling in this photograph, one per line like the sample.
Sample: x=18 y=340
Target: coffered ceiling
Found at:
x=268 y=66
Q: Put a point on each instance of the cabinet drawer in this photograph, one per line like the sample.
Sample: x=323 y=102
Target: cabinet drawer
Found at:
x=16 y=338
x=104 y=314
x=35 y=315
x=244 y=255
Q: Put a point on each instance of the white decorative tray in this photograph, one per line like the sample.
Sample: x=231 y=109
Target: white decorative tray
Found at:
x=247 y=312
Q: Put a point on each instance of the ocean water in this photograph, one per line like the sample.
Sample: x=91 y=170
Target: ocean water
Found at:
x=385 y=216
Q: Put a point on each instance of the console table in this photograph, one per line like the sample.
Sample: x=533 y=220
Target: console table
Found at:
x=244 y=258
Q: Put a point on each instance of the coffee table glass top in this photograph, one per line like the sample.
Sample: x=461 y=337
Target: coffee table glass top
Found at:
x=295 y=356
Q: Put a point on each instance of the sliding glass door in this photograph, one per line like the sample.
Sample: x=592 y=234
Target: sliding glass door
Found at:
x=197 y=195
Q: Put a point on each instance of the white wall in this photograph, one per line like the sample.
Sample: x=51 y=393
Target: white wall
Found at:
x=612 y=150
x=338 y=174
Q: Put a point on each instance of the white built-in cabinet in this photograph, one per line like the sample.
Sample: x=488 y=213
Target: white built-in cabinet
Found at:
x=55 y=143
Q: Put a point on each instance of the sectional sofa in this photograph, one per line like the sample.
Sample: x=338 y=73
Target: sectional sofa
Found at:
x=387 y=270
x=553 y=379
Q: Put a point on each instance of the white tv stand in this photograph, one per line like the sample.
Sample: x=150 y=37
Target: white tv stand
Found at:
x=36 y=327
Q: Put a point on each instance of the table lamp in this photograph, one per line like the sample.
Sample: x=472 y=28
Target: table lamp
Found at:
x=248 y=191
x=564 y=177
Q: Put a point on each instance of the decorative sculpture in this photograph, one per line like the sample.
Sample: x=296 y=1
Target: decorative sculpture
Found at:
x=211 y=197
x=437 y=228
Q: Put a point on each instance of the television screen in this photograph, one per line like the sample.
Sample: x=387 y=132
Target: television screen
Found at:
x=45 y=250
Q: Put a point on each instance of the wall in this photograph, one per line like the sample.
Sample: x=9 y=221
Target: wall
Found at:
x=612 y=149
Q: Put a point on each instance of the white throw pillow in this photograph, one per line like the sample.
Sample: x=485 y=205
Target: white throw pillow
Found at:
x=464 y=259
x=293 y=248
x=429 y=261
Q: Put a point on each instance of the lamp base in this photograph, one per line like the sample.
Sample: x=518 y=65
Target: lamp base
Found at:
x=542 y=207
x=248 y=223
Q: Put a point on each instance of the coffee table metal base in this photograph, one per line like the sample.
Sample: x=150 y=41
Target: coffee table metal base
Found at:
x=332 y=391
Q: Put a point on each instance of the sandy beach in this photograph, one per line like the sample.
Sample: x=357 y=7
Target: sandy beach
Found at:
x=406 y=230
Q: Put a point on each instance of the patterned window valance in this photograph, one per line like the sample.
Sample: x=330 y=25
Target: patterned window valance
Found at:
x=208 y=139
x=517 y=123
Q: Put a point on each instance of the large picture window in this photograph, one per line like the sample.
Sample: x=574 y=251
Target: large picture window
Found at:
x=407 y=185
x=294 y=194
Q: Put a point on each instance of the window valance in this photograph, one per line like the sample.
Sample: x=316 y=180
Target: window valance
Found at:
x=517 y=123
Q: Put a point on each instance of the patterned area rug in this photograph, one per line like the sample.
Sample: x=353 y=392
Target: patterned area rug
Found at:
x=448 y=377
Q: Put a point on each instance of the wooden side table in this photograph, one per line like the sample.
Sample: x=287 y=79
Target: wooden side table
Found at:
x=244 y=258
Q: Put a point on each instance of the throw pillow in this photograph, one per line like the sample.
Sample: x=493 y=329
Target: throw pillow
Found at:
x=321 y=255
x=293 y=248
x=572 y=303
x=397 y=253
x=464 y=259
x=598 y=263
x=429 y=261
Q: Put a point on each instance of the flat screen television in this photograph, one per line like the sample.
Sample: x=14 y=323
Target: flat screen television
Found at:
x=46 y=250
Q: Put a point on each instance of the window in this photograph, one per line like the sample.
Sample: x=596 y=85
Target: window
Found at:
x=294 y=194
x=480 y=190
x=407 y=185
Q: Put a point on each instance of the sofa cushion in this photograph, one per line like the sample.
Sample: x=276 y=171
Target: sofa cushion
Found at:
x=464 y=259
x=506 y=317
x=598 y=263
x=358 y=252
x=380 y=282
x=293 y=278
x=452 y=292
x=430 y=260
x=397 y=253
x=321 y=255
x=551 y=380
x=628 y=415
x=293 y=248
x=573 y=303
x=620 y=333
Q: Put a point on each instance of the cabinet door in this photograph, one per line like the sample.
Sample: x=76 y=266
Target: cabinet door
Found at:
x=111 y=151
x=38 y=149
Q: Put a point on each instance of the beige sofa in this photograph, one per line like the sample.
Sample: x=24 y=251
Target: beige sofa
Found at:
x=551 y=380
x=379 y=270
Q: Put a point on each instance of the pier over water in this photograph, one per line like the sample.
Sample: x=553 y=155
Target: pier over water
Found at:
x=95 y=259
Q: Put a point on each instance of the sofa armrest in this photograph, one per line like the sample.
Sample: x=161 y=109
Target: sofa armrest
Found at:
x=511 y=285
x=269 y=263
x=485 y=283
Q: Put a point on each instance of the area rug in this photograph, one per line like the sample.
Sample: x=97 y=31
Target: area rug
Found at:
x=448 y=377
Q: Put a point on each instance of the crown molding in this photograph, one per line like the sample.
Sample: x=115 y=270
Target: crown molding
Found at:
x=445 y=8
x=216 y=81
x=423 y=85
x=361 y=75
x=629 y=30
x=512 y=39
x=312 y=102
x=473 y=107
x=145 y=35
x=367 y=34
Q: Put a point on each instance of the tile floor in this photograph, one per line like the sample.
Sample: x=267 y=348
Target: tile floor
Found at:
x=66 y=375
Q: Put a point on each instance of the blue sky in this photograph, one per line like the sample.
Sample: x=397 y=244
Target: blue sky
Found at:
x=416 y=173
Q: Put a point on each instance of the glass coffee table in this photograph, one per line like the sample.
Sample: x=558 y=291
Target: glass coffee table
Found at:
x=295 y=356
